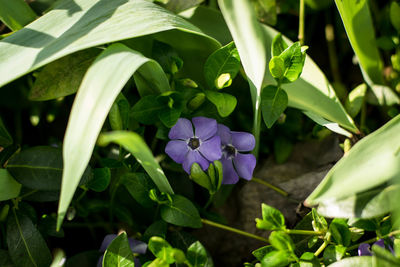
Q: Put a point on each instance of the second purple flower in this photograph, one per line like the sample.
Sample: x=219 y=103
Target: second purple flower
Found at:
x=198 y=144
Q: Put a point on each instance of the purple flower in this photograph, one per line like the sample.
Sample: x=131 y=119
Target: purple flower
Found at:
x=236 y=164
x=136 y=246
x=200 y=145
x=364 y=248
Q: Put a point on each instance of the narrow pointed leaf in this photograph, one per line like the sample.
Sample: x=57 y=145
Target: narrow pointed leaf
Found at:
x=333 y=126
x=16 y=14
x=98 y=91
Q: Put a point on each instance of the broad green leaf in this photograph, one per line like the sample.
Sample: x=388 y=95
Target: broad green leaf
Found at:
x=364 y=261
x=139 y=185
x=333 y=254
x=261 y=252
x=197 y=255
x=293 y=59
x=101 y=179
x=225 y=103
x=63 y=76
x=146 y=110
x=272 y=219
x=119 y=253
x=40 y=168
x=333 y=126
x=200 y=177
x=161 y=249
x=394 y=15
x=5 y=137
x=355 y=100
x=369 y=204
x=5 y=259
x=276 y=259
x=181 y=212
x=135 y=144
x=79 y=24
x=167 y=57
x=308 y=259
x=150 y=79
x=274 y=101
x=9 y=187
x=25 y=244
x=222 y=66
x=157 y=228
x=278 y=45
x=100 y=87
x=340 y=232
x=277 y=67
x=281 y=241
x=16 y=14
x=119 y=113
x=371 y=162
x=172 y=103
x=158 y=263
x=357 y=21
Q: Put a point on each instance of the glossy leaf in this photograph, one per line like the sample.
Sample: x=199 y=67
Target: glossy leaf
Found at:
x=319 y=223
x=272 y=219
x=224 y=61
x=277 y=67
x=26 y=245
x=197 y=254
x=139 y=185
x=181 y=212
x=63 y=76
x=281 y=241
x=161 y=249
x=274 y=101
x=200 y=177
x=40 y=168
x=102 y=22
x=16 y=14
x=157 y=228
x=371 y=162
x=355 y=100
x=261 y=252
x=135 y=144
x=293 y=59
x=101 y=179
x=9 y=187
x=119 y=113
x=98 y=91
x=119 y=253
x=59 y=258
x=5 y=137
x=225 y=103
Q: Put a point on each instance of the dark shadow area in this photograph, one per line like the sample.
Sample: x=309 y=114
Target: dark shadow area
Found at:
x=32 y=38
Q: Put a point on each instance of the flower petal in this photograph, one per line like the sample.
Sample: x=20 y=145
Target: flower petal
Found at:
x=230 y=175
x=363 y=250
x=194 y=156
x=177 y=150
x=211 y=148
x=243 y=141
x=204 y=128
x=244 y=165
x=225 y=134
x=183 y=129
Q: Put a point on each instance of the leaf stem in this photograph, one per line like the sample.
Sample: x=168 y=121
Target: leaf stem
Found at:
x=303 y=232
x=273 y=187
x=373 y=240
x=28 y=194
x=323 y=246
x=209 y=201
x=301 y=22
x=234 y=230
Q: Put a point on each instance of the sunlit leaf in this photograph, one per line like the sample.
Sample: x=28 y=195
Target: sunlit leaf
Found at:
x=119 y=253
x=9 y=187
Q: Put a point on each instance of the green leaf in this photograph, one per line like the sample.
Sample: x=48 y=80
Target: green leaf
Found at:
x=200 y=177
x=222 y=66
x=9 y=188
x=101 y=179
x=225 y=103
x=26 y=246
x=272 y=219
x=293 y=59
x=5 y=259
x=63 y=76
x=161 y=249
x=282 y=149
x=150 y=79
x=334 y=253
x=119 y=113
x=394 y=15
x=58 y=258
x=281 y=241
x=371 y=162
x=139 y=185
x=384 y=257
x=98 y=91
x=157 y=228
x=146 y=110
x=135 y=144
x=181 y=212
x=215 y=172
x=319 y=223
x=274 y=101
x=266 y=11
x=276 y=259
x=277 y=67
x=40 y=168
x=334 y=127
x=92 y=24
x=167 y=57
x=5 y=137
x=157 y=263
x=173 y=106
x=16 y=14
x=308 y=259
x=197 y=255
x=119 y=253
x=382 y=95
x=278 y=45
x=340 y=232
x=180 y=5
x=261 y=252
x=355 y=100
x=364 y=261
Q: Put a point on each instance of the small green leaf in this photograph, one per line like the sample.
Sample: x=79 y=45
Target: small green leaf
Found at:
x=277 y=67
x=355 y=100
x=293 y=58
x=281 y=241
x=278 y=45
x=333 y=253
x=157 y=228
x=319 y=223
x=200 y=177
x=222 y=66
x=119 y=253
x=9 y=187
x=157 y=263
x=181 y=212
x=308 y=259
x=25 y=243
x=394 y=15
x=197 y=255
x=146 y=110
x=5 y=137
x=161 y=249
x=16 y=14
x=196 y=101
x=276 y=259
x=225 y=103
x=101 y=179
x=340 y=232
x=139 y=185
x=261 y=252
x=274 y=101
x=217 y=177
x=272 y=219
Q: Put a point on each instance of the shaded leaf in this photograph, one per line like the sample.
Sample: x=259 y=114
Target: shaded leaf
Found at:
x=355 y=100
x=274 y=101
x=9 y=187
x=146 y=110
x=225 y=103
x=334 y=253
x=181 y=212
x=139 y=185
x=101 y=179
x=394 y=15
x=16 y=14
x=5 y=137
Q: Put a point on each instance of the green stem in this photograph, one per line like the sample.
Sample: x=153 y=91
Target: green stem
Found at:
x=301 y=22
x=273 y=187
x=323 y=246
x=373 y=240
x=363 y=116
x=257 y=125
x=234 y=230
x=209 y=201
x=28 y=194
x=302 y=232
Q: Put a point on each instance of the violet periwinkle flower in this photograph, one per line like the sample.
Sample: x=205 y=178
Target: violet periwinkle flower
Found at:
x=136 y=246
x=198 y=144
x=235 y=164
x=364 y=248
